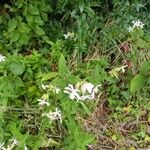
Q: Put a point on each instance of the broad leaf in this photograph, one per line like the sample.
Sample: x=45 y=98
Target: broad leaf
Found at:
x=137 y=82
x=17 y=68
x=145 y=68
x=12 y=24
x=39 y=31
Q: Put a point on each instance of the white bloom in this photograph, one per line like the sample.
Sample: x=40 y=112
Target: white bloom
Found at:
x=69 y=35
x=56 y=115
x=25 y=147
x=137 y=24
x=130 y=29
x=2 y=146
x=87 y=91
x=96 y=88
x=57 y=90
x=123 y=68
x=91 y=90
x=2 y=58
x=52 y=88
x=90 y=97
x=44 y=87
x=43 y=102
x=66 y=36
x=73 y=93
x=14 y=142
x=87 y=87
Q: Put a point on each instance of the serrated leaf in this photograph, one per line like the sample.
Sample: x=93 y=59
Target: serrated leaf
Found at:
x=49 y=76
x=137 y=82
x=12 y=24
x=17 y=68
x=62 y=67
x=33 y=10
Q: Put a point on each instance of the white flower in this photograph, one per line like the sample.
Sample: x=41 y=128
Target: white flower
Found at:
x=73 y=93
x=87 y=87
x=25 y=147
x=96 y=88
x=14 y=142
x=137 y=24
x=86 y=90
x=66 y=36
x=57 y=90
x=2 y=146
x=90 y=97
x=52 y=88
x=43 y=102
x=44 y=87
x=69 y=35
x=2 y=58
x=130 y=29
x=56 y=115
x=115 y=72
x=123 y=68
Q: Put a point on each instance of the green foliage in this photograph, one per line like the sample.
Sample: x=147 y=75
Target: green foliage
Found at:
x=142 y=78
x=137 y=82
x=62 y=67
x=48 y=46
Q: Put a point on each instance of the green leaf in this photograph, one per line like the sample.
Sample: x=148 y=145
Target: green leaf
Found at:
x=39 y=31
x=17 y=68
x=12 y=24
x=81 y=6
x=137 y=82
x=23 y=38
x=145 y=68
x=49 y=76
x=86 y=109
x=95 y=72
x=33 y=10
x=24 y=28
x=14 y=36
x=38 y=20
x=62 y=67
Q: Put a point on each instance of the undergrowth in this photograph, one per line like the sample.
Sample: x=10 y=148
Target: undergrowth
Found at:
x=74 y=75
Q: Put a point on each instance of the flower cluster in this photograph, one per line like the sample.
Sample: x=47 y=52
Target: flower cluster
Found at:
x=136 y=25
x=2 y=58
x=69 y=35
x=51 y=87
x=82 y=91
x=114 y=72
x=43 y=101
x=56 y=115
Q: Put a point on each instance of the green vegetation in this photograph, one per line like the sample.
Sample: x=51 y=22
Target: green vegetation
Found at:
x=74 y=75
